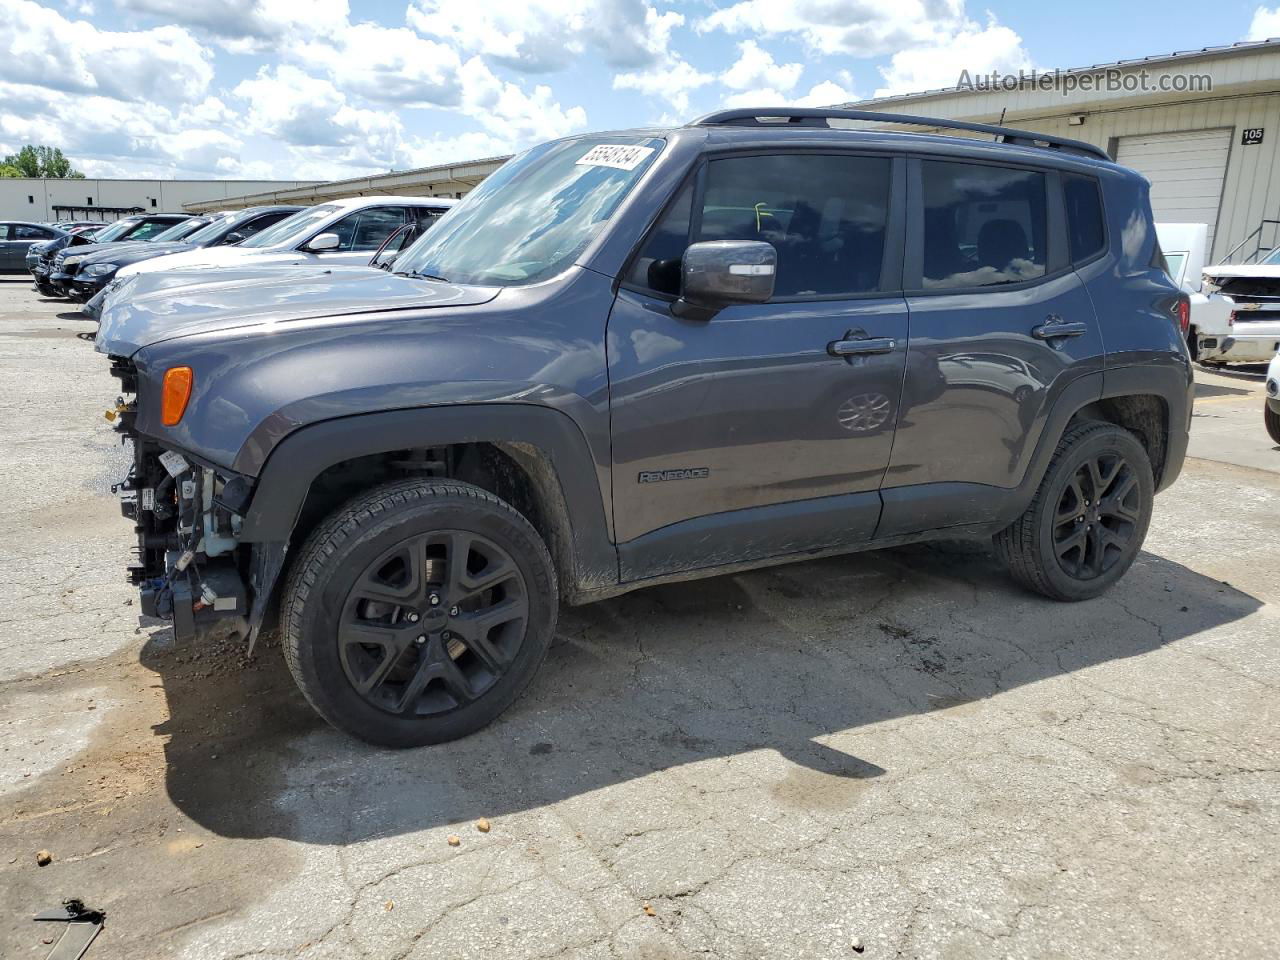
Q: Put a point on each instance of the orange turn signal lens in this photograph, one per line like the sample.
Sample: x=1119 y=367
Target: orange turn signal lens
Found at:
x=174 y=394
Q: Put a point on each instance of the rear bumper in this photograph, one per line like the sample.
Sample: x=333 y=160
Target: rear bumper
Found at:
x=1240 y=348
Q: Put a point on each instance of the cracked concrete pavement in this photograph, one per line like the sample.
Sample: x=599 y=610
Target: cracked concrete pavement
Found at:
x=898 y=749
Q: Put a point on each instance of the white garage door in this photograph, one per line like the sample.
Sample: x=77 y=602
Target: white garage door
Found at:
x=1185 y=170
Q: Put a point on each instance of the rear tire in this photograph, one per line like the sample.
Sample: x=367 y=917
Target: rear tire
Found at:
x=1272 y=420
x=1087 y=522
x=418 y=612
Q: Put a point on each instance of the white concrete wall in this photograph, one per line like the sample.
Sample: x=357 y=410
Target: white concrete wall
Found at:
x=23 y=199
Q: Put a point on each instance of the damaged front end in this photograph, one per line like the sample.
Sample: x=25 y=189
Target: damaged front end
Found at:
x=191 y=568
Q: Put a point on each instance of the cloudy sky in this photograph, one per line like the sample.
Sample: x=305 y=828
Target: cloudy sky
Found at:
x=329 y=88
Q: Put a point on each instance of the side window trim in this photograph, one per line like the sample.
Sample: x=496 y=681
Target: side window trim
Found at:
x=892 y=272
x=1055 y=229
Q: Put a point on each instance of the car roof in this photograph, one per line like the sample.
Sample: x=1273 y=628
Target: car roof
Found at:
x=351 y=203
x=771 y=136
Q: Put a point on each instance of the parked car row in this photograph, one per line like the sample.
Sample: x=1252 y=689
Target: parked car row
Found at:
x=631 y=358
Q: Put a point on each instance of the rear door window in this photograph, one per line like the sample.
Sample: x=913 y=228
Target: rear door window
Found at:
x=984 y=226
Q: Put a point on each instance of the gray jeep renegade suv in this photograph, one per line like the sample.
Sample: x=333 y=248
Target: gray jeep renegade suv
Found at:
x=645 y=356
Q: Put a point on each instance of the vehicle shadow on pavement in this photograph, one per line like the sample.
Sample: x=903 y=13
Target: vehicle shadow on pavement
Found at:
x=665 y=677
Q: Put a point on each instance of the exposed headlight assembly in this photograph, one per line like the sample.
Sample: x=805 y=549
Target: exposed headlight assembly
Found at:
x=71 y=261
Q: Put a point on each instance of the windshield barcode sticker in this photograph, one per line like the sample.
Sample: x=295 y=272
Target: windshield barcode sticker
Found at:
x=616 y=155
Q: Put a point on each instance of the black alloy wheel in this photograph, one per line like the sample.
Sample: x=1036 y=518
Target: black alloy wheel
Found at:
x=1098 y=514
x=433 y=623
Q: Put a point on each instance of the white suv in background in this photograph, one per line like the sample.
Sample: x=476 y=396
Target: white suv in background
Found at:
x=338 y=232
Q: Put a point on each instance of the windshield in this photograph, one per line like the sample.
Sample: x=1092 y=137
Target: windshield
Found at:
x=212 y=230
x=528 y=221
x=1273 y=256
x=107 y=234
x=179 y=230
x=301 y=222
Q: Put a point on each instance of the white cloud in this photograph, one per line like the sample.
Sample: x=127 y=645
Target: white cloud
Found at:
x=387 y=64
x=825 y=94
x=506 y=110
x=672 y=80
x=1265 y=24
x=307 y=111
x=755 y=67
x=40 y=46
x=540 y=36
x=245 y=26
x=108 y=137
x=834 y=27
x=974 y=48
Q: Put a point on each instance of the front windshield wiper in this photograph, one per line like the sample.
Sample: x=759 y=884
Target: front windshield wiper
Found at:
x=420 y=276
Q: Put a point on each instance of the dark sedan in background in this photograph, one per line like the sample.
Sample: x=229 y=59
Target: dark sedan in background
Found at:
x=40 y=258
x=96 y=266
x=17 y=238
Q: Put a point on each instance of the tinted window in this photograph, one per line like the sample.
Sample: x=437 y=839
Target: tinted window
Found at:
x=250 y=227
x=4 y=231
x=658 y=265
x=148 y=230
x=367 y=229
x=1084 y=216
x=983 y=226
x=825 y=215
x=24 y=231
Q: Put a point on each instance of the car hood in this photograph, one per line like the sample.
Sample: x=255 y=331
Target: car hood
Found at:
x=126 y=252
x=147 y=311
x=223 y=257
x=1251 y=270
x=93 y=249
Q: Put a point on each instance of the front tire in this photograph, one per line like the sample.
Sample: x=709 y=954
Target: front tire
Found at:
x=1088 y=519
x=1272 y=420
x=418 y=612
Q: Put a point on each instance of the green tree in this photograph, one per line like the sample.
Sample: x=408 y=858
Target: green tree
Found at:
x=33 y=161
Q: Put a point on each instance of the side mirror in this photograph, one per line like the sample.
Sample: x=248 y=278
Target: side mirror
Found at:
x=233 y=237
x=324 y=241
x=718 y=273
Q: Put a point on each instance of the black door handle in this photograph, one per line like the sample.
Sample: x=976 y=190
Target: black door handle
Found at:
x=1055 y=328
x=862 y=347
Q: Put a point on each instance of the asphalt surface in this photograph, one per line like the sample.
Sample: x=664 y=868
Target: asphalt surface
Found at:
x=900 y=752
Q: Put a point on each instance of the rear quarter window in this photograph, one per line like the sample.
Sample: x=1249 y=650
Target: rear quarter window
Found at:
x=1086 y=230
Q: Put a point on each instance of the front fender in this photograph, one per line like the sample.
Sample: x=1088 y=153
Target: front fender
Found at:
x=299 y=458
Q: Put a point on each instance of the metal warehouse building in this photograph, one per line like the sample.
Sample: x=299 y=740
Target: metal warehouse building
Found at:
x=1208 y=148
x=22 y=198
x=445 y=180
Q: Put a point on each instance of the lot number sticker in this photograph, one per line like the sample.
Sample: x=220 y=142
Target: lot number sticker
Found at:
x=618 y=156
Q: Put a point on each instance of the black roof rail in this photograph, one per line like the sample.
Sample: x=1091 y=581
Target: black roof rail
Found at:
x=817 y=117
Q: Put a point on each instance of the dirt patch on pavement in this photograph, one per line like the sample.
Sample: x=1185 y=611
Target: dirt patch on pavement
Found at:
x=114 y=813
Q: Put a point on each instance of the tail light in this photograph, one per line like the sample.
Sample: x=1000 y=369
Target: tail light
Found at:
x=1183 y=312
